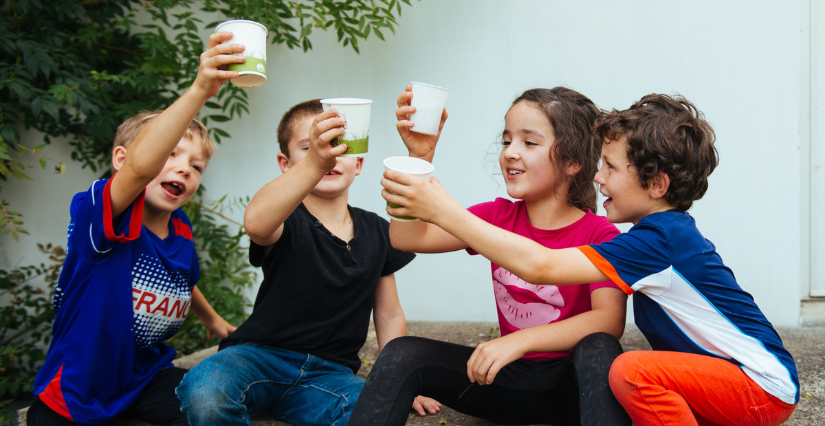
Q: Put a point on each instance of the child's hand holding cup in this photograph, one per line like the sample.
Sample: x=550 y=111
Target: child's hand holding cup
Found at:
x=356 y=114
x=252 y=71
x=412 y=166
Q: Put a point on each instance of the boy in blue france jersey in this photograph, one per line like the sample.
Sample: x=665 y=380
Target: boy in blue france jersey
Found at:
x=326 y=266
x=131 y=268
x=716 y=359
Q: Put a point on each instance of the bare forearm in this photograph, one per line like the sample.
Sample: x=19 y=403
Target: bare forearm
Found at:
x=519 y=255
x=150 y=149
x=201 y=307
x=389 y=328
x=273 y=203
x=564 y=335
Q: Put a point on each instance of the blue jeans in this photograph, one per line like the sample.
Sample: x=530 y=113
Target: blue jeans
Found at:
x=249 y=379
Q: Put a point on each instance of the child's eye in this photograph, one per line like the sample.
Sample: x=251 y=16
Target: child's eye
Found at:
x=530 y=143
x=505 y=143
x=197 y=167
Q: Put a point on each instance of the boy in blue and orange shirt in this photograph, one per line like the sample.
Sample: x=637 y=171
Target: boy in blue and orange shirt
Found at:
x=716 y=358
x=131 y=269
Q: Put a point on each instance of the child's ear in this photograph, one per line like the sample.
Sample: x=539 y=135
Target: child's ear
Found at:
x=358 y=164
x=118 y=157
x=283 y=162
x=572 y=168
x=659 y=184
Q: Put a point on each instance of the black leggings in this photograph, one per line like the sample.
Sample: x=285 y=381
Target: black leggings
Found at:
x=524 y=392
x=157 y=405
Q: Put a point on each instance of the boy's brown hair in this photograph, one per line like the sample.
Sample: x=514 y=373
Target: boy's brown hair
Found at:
x=665 y=135
x=129 y=129
x=287 y=125
x=572 y=116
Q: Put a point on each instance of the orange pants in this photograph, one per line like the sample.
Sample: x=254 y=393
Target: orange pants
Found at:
x=675 y=388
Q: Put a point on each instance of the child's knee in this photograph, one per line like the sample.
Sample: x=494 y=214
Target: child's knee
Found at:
x=623 y=373
x=201 y=387
x=599 y=344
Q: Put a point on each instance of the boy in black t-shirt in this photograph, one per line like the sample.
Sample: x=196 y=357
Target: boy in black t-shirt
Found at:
x=326 y=266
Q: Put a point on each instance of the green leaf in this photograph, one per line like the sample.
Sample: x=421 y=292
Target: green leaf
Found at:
x=42 y=163
x=219 y=118
x=39 y=147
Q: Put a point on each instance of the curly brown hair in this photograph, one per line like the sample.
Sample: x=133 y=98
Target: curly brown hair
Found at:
x=287 y=125
x=665 y=135
x=572 y=116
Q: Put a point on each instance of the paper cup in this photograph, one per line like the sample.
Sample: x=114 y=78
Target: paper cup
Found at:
x=411 y=166
x=253 y=36
x=356 y=113
x=429 y=101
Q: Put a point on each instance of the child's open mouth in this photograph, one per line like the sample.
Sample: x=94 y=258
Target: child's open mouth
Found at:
x=332 y=173
x=173 y=188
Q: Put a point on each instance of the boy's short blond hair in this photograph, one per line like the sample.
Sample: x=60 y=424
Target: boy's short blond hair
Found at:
x=129 y=129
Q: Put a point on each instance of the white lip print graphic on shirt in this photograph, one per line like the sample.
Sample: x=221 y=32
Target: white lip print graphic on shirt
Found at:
x=525 y=315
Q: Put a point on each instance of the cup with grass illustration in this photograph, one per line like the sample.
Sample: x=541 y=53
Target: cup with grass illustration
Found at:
x=356 y=114
x=253 y=36
x=412 y=166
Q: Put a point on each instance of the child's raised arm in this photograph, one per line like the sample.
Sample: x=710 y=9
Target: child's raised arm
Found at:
x=265 y=215
x=147 y=154
x=419 y=237
x=525 y=258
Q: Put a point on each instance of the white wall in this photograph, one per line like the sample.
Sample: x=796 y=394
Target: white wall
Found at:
x=739 y=62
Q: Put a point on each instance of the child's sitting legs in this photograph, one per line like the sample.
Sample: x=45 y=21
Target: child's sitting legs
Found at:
x=249 y=379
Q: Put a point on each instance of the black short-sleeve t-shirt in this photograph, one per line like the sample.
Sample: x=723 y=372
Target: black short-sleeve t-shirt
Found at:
x=318 y=290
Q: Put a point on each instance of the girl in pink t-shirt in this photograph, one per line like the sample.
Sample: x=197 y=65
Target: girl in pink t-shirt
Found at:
x=551 y=364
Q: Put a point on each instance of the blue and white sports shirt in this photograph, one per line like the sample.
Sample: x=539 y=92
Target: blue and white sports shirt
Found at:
x=687 y=300
x=122 y=292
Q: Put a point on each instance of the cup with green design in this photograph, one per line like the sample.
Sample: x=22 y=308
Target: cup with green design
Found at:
x=252 y=72
x=412 y=166
x=356 y=115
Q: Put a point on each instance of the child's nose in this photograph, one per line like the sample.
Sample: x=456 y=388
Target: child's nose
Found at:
x=598 y=178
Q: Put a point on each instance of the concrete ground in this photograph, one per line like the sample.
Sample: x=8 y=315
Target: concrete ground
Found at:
x=806 y=344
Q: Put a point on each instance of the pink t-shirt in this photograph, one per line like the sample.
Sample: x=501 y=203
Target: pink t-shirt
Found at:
x=523 y=305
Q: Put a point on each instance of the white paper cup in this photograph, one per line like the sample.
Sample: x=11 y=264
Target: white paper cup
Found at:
x=356 y=113
x=412 y=166
x=253 y=36
x=429 y=102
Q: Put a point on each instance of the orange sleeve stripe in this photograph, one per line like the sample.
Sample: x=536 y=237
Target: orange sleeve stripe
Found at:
x=52 y=396
x=605 y=267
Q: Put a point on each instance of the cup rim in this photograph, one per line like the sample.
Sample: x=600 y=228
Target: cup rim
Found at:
x=235 y=21
x=431 y=85
x=346 y=101
x=427 y=164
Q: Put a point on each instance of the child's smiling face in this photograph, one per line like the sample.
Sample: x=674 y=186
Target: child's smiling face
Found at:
x=525 y=158
x=618 y=180
x=180 y=177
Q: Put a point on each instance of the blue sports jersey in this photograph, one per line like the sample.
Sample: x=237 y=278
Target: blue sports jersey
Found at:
x=687 y=300
x=122 y=292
